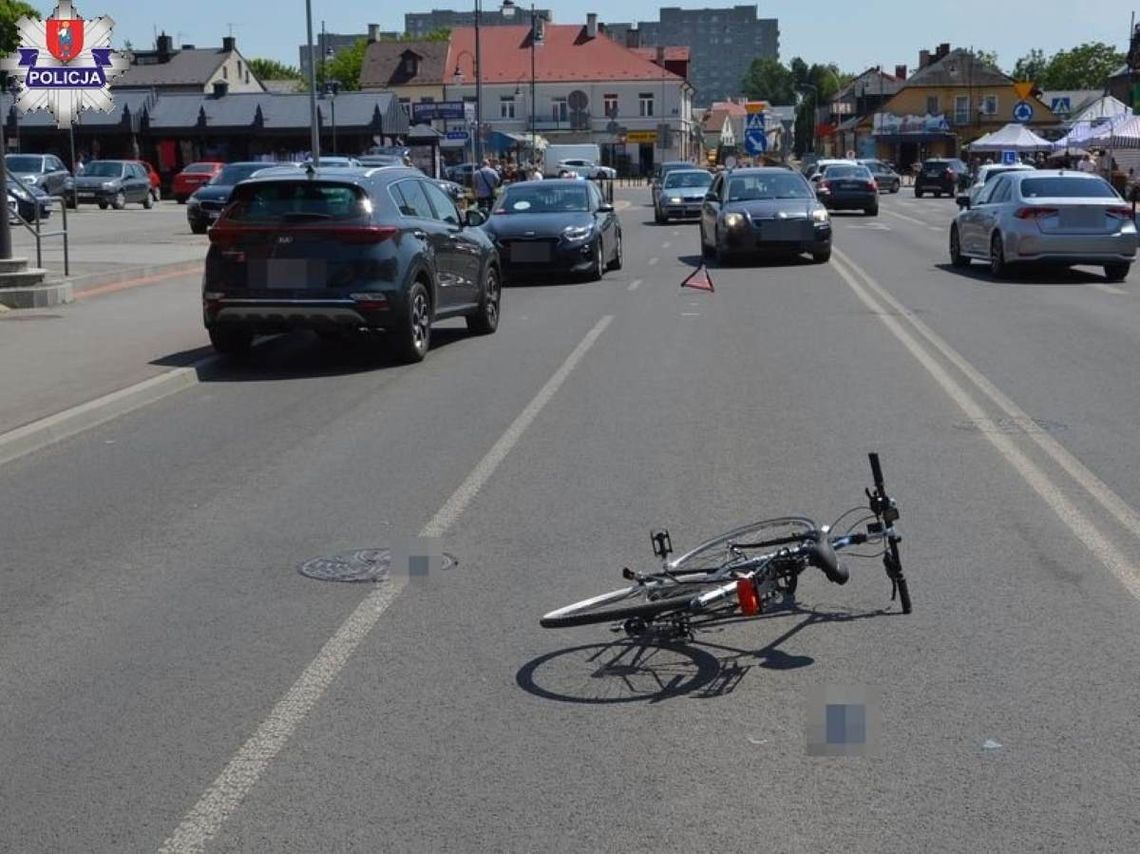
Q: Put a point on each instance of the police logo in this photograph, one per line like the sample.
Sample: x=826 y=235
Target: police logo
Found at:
x=65 y=64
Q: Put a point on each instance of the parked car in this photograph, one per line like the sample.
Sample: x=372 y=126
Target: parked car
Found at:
x=28 y=199
x=941 y=176
x=845 y=187
x=380 y=160
x=114 y=183
x=192 y=177
x=155 y=180
x=886 y=177
x=681 y=194
x=45 y=171
x=206 y=203
x=665 y=168
x=335 y=161
x=763 y=210
x=585 y=168
x=342 y=251
x=1052 y=216
x=813 y=170
x=987 y=172
x=556 y=225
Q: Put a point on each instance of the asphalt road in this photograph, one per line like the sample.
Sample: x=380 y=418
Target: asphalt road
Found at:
x=167 y=675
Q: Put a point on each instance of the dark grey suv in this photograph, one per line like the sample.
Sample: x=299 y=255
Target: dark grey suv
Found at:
x=114 y=183
x=339 y=250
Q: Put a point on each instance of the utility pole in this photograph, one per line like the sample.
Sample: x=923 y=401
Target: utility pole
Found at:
x=314 y=131
x=5 y=225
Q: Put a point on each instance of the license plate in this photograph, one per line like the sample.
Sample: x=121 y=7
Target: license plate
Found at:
x=848 y=185
x=86 y=195
x=1082 y=217
x=212 y=215
x=530 y=253
x=286 y=274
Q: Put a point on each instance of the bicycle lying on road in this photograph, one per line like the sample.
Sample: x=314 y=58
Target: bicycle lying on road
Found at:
x=745 y=569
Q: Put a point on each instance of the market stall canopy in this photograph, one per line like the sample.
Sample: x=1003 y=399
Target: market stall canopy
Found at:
x=1126 y=134
x=1012 y=137
x=1084 y=134
x=504 y=141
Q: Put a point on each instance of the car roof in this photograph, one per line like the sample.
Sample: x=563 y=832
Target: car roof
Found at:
x=760 y=170
x=352 y=174
x=570 y=182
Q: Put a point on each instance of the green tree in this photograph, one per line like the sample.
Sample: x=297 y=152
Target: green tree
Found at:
x=270 y=69
x=1086 y=66
x=1031 y=66
x=768 y=80
x=440 y=35
x=986 y=57
x=344 y=67
x=10 y=12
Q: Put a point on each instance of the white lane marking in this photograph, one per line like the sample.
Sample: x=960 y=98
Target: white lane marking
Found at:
x=907 y=218
x=872 y=226
x=243 y=771
x=634 y=285
x=653 y=261
x=1109 y=289
x=666 y=245
x=1068 y=512
x=690 y=314
x=936 y=227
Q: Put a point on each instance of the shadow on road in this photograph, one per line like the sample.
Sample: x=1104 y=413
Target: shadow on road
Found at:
x=656 y=667
x=1025 y=276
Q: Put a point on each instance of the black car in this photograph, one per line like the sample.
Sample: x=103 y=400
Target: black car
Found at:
x=27 y=200
x=556 y=225
x=114 y=183
x=941 y=175
x=206 y=203
x=764 y=210
x=341 y=250
x=845 y=188
x=45 y=171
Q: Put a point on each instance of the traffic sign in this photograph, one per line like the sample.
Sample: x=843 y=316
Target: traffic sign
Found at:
x=1009 y=158
x=755 y=134
x=458 y=134
x=1023 y=111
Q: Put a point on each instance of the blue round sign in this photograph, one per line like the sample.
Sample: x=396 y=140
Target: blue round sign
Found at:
x=1023 y=111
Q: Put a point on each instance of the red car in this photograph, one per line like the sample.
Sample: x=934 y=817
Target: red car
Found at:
x=155 y=181
x=194 y=176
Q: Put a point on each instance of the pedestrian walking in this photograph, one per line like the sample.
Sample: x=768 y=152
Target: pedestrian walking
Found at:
x=484 y=181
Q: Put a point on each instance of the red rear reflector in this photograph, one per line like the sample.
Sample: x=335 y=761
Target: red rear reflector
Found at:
x=871 y=185
x=824 y=185
x=1120 y=213
x=1034 y=213
x=360 y=233
x=747 y=596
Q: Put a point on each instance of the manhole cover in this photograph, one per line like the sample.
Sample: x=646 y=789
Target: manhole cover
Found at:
x=362 y=565
x=1011 y=425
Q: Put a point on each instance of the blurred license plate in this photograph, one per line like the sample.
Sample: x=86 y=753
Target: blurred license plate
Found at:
x=530 y=253
x=849 y=185
x=287 y=273
x=1082 y=217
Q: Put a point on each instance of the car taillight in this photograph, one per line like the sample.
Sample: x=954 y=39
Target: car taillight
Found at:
x=360 y=233
x=370 y=301
x=825 y=185
x=1034 y=212
x=871 y=185
x=226 y=235
x=949 y=173
x=1119 y=213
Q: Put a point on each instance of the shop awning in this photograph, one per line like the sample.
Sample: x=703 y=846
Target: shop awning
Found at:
x=503 y=141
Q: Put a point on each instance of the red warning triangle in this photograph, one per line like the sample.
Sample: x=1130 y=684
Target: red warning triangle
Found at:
x=699 y=279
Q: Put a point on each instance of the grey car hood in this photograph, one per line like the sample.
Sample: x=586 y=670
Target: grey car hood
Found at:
x=94 y=182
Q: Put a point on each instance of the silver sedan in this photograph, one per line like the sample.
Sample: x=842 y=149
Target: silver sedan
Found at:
x=1051 y=217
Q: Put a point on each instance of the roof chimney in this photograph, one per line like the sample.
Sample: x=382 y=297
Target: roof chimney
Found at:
x=229 y=44
x=539 y=29
x=164 y=46
x=900 y=72
x=943 y=50
x=373 y=33
x=632 y=37
x=592 y=25
x=923 y=58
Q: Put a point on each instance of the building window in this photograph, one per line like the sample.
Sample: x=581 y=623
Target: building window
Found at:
x=239 y=69
x=406 y=103
x=932 y=105
x=225 y=72
x=610 y=103
x=990 y=105
x=962 y=110
x=646 y=99
x=561 y=111
x=507 y=107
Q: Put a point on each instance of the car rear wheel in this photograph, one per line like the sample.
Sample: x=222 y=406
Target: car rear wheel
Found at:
x=619 y=257
x=598 y=268
x=198 y=227
x=231 y=342
x=896 y=187
x=998 y=266
x=957 y=259
x=872 y=211
x=119 y=201
x=917 y=193
x=1116 y=272
x=148 y=201
x=103 y=206
x=706 y=250
x=486 y=319
x=413 y=338
x=180 y=199
x=821 y=256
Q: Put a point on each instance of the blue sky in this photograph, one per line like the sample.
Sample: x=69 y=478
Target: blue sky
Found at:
x=854 y=34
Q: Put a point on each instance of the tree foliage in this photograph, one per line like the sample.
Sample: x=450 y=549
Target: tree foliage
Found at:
x=986 y=57
x=270 y=69
x=1086 y=66
x=10 y=12
x=344 y=67
x=768 y=80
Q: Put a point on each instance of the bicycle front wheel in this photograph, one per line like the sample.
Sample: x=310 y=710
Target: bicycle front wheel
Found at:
x=639 y=600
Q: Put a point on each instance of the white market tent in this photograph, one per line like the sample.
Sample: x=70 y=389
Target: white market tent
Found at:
x=1012 y=137
x=1095 y=131
x=1125 y=134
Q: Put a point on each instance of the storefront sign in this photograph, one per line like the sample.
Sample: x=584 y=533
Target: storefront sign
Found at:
x=641 y=136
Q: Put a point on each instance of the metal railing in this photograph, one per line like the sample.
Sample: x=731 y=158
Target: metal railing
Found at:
x=34 y=226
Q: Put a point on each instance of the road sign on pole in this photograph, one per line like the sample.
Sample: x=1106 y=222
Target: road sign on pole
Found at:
x=755 y=134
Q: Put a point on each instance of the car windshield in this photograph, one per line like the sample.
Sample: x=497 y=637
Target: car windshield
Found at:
x=297 y=201
x=103 y=169
x=1066 y=187
x=832 y=172
x=198 y=168
x=768 y=185
x=238 y=172
x=687 y=179
x=544 y=198
x=23 y=163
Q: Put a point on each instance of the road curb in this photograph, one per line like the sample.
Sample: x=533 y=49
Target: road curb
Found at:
x=91 y=281
x=70 y=422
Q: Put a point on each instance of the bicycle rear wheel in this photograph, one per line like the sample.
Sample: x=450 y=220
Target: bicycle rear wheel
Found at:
x=638 y=600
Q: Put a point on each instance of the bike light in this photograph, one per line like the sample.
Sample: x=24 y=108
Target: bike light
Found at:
x=747 y=596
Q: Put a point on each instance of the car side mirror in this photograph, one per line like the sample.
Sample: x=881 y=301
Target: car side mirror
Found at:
x=605 y=207
x=475 y=218
x=964 y=201
x=711 y=197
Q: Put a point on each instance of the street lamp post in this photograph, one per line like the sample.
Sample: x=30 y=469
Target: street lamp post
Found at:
x=314 y=131
x=814 y=108
x=332 y=89
x=5 y=225
x=508 y=9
